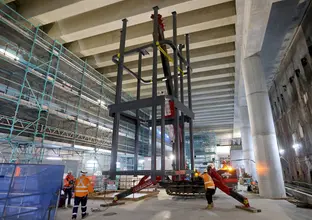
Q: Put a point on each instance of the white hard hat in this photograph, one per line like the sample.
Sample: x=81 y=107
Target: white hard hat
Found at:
x=205 y=170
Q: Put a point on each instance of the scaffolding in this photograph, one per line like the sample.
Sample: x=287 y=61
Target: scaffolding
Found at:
x=50 y=98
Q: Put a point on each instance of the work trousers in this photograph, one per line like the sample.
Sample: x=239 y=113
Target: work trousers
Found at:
x=68 y=194
x=83 y=201
x=209 y=194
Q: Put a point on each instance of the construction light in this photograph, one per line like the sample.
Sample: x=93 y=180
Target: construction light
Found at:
x=296 y=146
x=104 y=151
x=83 y=147
x=172 y=157
x=8 y=54
x=54 y=158
x=281 y=151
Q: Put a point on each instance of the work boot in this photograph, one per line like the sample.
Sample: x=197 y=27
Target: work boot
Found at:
x=69 y=206
x=73 y=217
x=212 y=205
x=209 y=206
x=85 y=216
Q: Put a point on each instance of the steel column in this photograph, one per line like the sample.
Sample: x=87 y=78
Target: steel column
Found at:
x=137 y=125
x=189 y=90
x=163 y=144
x=176 y=92
x=182 y=147
x=118 y=100
x=154 y=94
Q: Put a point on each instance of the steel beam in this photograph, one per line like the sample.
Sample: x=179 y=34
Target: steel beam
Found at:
x=154 y=94
x=182 y=147
x=189 y=90
x=133 y=105
x=163 y=144
x=178 y=105
x=118 y=101
x=137 y=126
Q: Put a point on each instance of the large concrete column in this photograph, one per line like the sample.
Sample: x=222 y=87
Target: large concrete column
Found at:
x=269 y=170
x=247 y=146
x=248 y=149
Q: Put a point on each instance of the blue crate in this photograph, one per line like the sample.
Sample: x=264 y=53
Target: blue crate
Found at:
x=29 y=191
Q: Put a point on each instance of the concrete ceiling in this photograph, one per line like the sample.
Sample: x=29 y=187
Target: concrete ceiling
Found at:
x=91 y=29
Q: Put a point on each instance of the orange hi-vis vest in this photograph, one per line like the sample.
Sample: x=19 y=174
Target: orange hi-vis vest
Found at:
x=83 y=187
x=209 y=184
x=69 y=181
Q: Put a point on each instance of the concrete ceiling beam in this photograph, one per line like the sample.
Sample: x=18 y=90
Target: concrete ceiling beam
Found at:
x=100 y=36
x=200 y=91
x=199 y=117
x=209 y=96
x=208 y=111
x=213 y=120
x=212 y=103
x=214 y=112
x=202 y=84
x=127 y=87
x=213 y=125
x=41 y=12
x=218 y=45
x=226 y=105
x=216 y=68
x=208 y=65
x=226 y=88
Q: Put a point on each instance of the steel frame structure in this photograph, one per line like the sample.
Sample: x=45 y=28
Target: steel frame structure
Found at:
x=47 y=94
x=119 y=109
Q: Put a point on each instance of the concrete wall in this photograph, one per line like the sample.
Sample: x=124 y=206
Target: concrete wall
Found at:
x=291 y=102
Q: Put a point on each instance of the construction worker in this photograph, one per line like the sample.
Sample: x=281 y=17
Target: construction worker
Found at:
x=82 y=189
x=196 y=174
x=209 y=186
x=69 y=187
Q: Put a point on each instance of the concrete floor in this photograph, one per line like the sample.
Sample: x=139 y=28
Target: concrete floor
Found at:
x=166 y=207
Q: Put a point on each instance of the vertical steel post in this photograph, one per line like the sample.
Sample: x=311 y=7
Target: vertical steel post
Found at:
x=118 y=100
x=176 y=91
x=189 y=90
x=154 y=94
x=137 y=125
x=182 y=147
x=163 y=144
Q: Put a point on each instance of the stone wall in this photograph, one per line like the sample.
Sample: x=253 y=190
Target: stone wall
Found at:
x=291 y=102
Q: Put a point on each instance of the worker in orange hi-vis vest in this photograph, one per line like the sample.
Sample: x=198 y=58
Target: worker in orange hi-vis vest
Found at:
x=69 y=187
x=82 y=189
x=209 y=186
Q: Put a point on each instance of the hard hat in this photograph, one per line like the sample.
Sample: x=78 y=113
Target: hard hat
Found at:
x=209 y=166
x=83 y=171
x=205 y=170
x=69 y=171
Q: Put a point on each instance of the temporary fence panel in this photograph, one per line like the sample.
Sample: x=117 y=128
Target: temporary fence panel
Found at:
x=29 y=191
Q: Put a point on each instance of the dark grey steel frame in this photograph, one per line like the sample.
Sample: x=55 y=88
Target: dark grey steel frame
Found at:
x=118 y=109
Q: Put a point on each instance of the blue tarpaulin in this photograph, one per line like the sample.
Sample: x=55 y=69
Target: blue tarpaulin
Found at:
x=29 y=191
